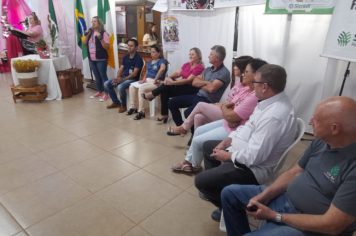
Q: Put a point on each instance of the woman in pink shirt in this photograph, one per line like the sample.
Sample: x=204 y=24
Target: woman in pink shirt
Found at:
x=34 y=30
x=97 y=42
x=235 y=112
x=173 y=88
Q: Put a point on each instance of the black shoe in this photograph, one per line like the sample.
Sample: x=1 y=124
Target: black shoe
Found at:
x=163 y=119
x=131 y=111
x=139 y=116
x=216 y=215
x=190 y=140
x=202 y=196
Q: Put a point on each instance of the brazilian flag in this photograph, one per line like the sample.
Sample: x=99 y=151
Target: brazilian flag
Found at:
x=81 y=27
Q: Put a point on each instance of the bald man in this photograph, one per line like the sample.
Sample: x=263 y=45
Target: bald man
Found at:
x=318 y=195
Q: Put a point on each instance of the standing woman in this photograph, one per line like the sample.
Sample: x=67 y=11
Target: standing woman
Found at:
x=34 y=30
x=150 y=38
x=156 y=72
x=97 y=41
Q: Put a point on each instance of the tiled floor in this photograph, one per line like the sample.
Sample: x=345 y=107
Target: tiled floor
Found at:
x=72 y=167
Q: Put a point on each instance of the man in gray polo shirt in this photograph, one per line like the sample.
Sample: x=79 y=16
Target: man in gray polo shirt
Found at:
x=212 y=83
x=317 y=196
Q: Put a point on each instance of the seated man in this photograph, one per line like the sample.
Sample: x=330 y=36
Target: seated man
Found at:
x=253 y=150
x=317 y=196
x=212 y=83
x=131 y=65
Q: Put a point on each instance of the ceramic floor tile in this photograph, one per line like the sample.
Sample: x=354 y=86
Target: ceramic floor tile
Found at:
x=22 y=171
x=98 y=109
x=177 y=142
x=116 y=119
x=41 y=109
x=137 y=231
x=65 y=118
x=29 y=127
x=87 y=127
x=142 y=152
x=69 y=154
x=112 y=138
x=193 y=190
x=294 y=154
x=162 y=169
x=144 y=127
x=8 y=225
x=42 y=198
x=15 y=117
x=99 y=172
x=11 y=150
x=88 y=217
x=42 y=141
x=142 y=194
x=22 y=233
x=185 y=210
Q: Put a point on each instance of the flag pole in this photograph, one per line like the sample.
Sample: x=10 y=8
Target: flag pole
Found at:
x=75 y=38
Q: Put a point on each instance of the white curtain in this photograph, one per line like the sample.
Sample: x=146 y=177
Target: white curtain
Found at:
x=294 y=42
x=204 y=29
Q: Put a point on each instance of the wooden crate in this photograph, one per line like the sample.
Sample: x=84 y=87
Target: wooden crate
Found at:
x=36 y=93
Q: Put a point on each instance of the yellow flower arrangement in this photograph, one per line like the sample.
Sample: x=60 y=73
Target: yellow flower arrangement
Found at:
x=23 y=66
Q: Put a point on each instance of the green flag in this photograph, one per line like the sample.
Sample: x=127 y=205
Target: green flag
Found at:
x=53 y=21
x=81 y=27
x=101 y=12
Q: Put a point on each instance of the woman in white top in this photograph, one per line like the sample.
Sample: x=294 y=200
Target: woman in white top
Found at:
x=150 y=38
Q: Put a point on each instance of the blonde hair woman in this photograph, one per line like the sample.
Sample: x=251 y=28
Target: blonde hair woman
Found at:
x=150 y=38
x=97 y=41
x=34 y=30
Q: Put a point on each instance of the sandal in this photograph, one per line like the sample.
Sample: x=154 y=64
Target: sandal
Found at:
x=171 y=132
x=162 y=119
x=144 y=96
x=181 y=167
x=139 y=116
x=131 y=111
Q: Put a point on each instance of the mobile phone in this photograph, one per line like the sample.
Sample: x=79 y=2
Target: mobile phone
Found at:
x=253 y=208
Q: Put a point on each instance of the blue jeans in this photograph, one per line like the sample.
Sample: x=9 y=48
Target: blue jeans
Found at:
x=99 y=70
x=109 y=88
x=190 y=101
x=235 y=196
x=211 y=131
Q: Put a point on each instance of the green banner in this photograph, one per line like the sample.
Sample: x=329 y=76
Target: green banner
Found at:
x=300 y=6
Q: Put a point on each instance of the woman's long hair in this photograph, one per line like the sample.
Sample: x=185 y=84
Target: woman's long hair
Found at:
x=160 y=51
x=149 y=31
x=100 y=23
x=199 y=54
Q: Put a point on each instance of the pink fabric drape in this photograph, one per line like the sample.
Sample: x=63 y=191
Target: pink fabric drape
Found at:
x=17 y=11
x=13 y=47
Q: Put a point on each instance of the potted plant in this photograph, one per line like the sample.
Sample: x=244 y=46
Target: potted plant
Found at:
x=42 y=49
x=27 y=72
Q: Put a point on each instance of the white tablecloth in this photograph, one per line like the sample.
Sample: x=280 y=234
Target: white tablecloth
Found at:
x=46 y=73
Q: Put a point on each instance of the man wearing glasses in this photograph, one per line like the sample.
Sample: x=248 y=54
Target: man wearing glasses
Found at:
x=252 y=151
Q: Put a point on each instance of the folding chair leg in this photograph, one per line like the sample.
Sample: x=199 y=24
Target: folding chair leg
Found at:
x=153 y=107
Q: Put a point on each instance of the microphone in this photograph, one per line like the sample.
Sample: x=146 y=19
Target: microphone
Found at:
x=86 y=33
x=21 y=22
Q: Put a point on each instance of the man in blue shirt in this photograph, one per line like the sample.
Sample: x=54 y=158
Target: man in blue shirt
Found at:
x=317 y=196
x=131 y=67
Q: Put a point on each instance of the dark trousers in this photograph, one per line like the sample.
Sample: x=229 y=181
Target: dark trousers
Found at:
x=169 y=91
x=184 y=101
x=218 y=175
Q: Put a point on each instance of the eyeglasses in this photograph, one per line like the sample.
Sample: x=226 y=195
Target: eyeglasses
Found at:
x=260 y=82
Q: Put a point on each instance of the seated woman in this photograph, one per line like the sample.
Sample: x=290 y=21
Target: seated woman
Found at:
x=237 y=111
x=34 y=30
x=205 y=113
x=156 y=71
x=150 y=38
x=184 y=86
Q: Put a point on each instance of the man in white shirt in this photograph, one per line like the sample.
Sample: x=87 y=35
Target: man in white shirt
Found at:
x=251 y=152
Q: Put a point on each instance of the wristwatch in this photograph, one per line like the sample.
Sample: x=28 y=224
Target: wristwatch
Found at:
x=278 y=218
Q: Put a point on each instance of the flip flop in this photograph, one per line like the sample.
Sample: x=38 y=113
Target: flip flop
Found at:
x=186 y=168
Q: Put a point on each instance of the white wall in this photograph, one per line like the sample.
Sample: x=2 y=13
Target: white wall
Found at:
x=65 y=19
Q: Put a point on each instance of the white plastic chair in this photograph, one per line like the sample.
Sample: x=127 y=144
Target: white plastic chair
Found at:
x=127 y=90
x=280 y=163
x=154 y=102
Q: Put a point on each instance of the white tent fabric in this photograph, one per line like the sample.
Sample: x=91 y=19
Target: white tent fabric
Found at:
x=67 y=30
x=204 y=29
x=294 y=42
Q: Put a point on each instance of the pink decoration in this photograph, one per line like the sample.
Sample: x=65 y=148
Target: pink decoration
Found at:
x=17 y=11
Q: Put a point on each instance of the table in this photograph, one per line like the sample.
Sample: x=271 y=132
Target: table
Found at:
x=46 y=73
x=36 y=93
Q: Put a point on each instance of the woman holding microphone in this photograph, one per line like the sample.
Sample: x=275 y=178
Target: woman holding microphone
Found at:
x=97 y=42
